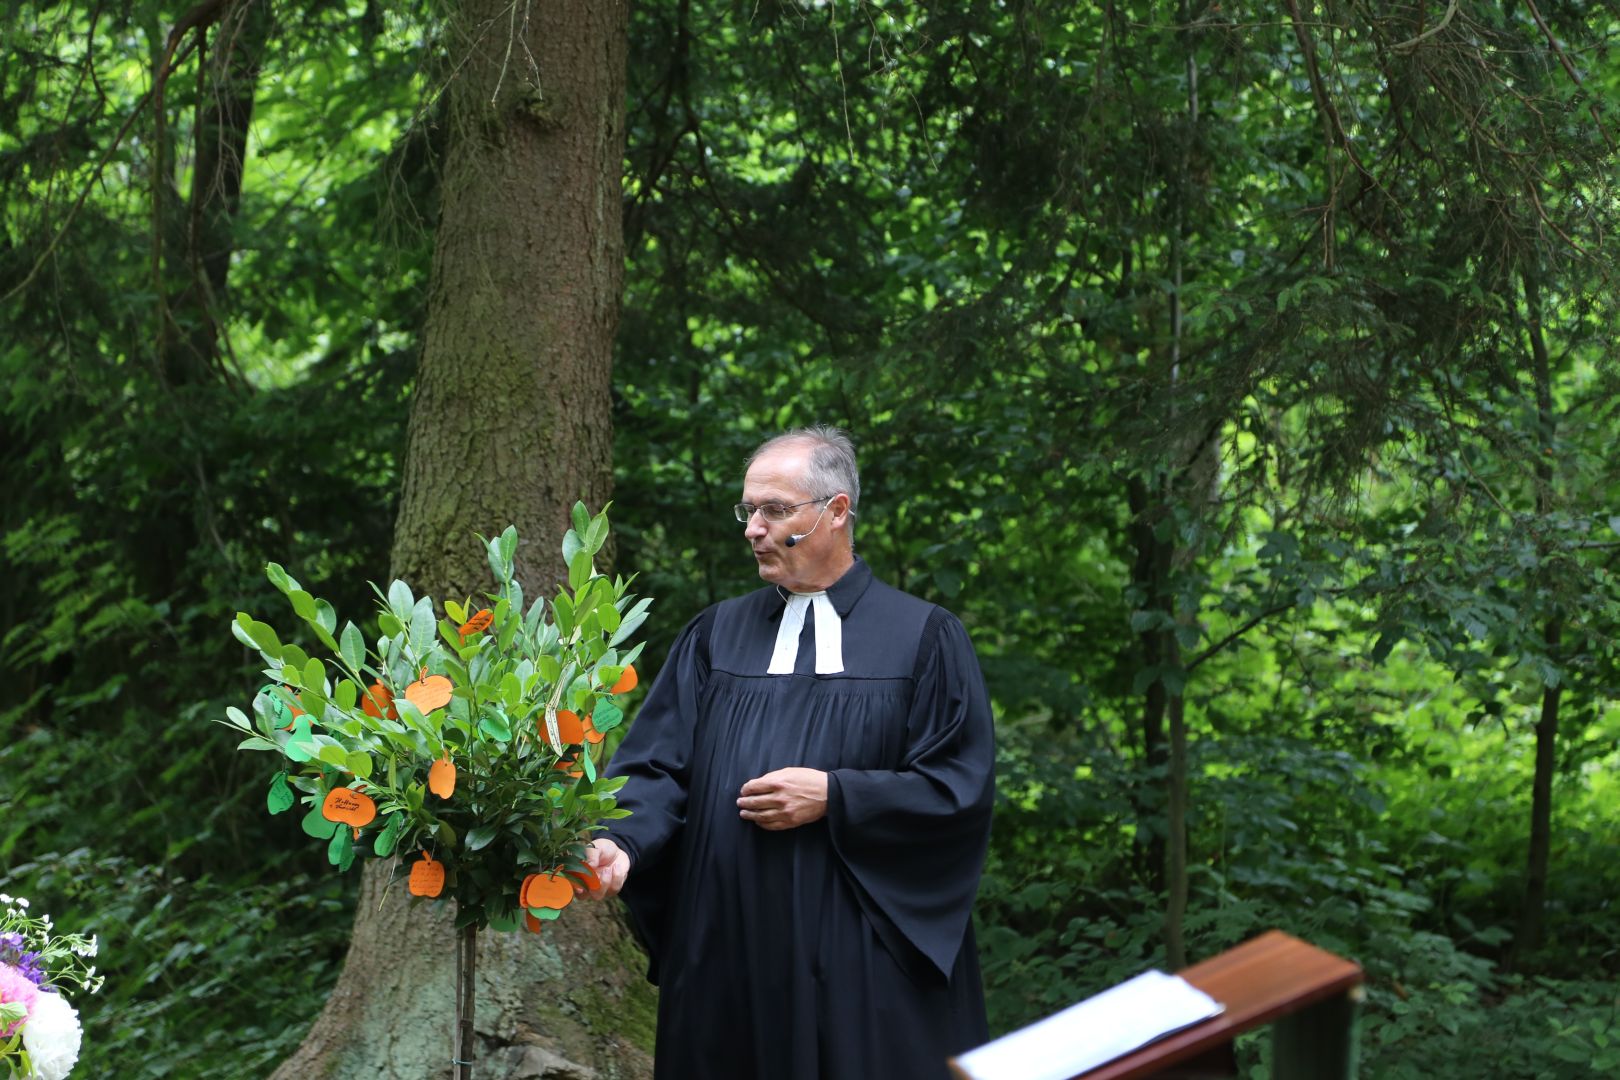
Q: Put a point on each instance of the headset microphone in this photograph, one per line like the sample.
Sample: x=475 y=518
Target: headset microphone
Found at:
x=796 y=537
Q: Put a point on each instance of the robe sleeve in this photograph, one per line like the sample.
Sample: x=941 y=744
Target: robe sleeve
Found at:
x=914 y=838
x=655 y=757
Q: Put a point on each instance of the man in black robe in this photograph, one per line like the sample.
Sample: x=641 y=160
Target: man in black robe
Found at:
x=811 y=779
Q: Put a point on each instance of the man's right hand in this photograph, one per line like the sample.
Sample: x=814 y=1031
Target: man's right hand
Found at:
x=611 y=866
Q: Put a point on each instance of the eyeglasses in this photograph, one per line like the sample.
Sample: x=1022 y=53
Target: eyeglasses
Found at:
x=773 y=511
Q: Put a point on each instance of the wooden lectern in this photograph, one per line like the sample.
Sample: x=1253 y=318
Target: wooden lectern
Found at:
x=1307 y=994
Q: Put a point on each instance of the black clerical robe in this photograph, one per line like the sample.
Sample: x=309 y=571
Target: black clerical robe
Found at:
x=841 y=949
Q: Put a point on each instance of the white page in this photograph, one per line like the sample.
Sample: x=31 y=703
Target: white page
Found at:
x=1093 y=1032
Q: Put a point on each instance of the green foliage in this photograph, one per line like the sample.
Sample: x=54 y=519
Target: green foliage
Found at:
x=480 y=691
x=1331 y=500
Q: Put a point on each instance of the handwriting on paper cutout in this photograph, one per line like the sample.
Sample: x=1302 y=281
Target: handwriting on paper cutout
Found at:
x=442 y=777
x=477 y=623
x=627 y=682
x=349 y=807
x=429 y=692
x=427 y=877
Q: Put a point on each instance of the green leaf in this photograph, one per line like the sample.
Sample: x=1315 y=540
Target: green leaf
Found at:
x=353 y=646
x=572 y=545
x=280 y=797
x=303 y=604
x=581 y=517
x=495 y=725
x=479 y=837
x=579 y=569
x=333 y=754
x=509 y=539
x=422 y=625
x=265 y=638
x=346 y=694
x=359 y=763
x=400 y=600
x=549 y=667
x=383 y=845
x=497 y=565
x=325 y=616
x=317 y=826
x=596 y=535
x=278 y=577
x=456 y=612
x=340 y=852
x=588 y=763
x=314 y=674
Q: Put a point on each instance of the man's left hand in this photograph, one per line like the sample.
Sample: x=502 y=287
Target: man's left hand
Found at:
x=785 y=799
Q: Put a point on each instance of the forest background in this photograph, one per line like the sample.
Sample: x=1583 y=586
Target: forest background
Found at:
x=1241 y=374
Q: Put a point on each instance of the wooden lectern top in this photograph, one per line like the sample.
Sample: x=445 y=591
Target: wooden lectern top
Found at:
x=1262 y=979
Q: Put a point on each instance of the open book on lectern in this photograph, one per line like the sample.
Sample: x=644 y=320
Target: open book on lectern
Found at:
x=1093 y=1032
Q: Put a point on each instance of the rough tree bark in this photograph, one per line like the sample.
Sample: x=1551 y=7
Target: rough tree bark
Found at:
x=510 y=424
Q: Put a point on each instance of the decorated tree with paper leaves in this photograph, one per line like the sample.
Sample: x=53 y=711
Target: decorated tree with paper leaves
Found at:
x=469 y=740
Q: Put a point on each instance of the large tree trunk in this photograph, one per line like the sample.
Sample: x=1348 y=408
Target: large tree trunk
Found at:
x=510 y=425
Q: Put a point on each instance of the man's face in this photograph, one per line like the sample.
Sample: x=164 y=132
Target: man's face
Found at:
x=815 y=562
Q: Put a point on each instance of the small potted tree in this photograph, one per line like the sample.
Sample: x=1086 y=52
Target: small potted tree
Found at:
x=461 y=740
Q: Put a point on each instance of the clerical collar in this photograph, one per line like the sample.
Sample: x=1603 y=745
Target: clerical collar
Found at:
x=830 y=606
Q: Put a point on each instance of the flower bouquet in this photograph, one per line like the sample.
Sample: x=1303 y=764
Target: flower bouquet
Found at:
x=39 y=1029
x=467 y=742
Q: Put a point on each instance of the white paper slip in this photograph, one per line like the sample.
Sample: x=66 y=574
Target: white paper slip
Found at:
x=1093 y=1032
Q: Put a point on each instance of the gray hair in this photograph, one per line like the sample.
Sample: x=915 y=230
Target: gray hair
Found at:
x=832 y=466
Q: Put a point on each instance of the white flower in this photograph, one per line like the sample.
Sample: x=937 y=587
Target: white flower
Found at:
x=22 y=902
x=52 y=1037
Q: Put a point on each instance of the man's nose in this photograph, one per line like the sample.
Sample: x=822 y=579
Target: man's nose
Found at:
x=756 y=526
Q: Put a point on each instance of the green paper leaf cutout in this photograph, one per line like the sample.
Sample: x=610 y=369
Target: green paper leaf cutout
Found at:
x=317 y=826
x=384 y=844
x=341 y=849
x=505 y=920
x=280 y=797
x=278 y=705
x=301 y=747
x=607 y=716
x=545 y=914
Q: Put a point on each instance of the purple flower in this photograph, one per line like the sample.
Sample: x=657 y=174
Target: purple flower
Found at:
x=14 y=951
